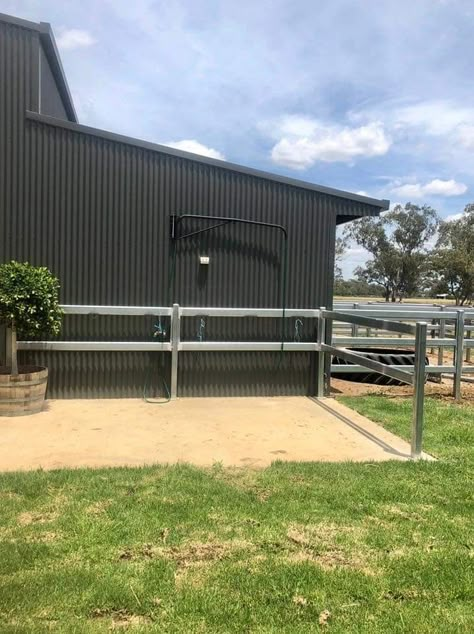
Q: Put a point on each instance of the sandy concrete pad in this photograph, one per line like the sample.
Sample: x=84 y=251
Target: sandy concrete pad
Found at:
x=202 y=431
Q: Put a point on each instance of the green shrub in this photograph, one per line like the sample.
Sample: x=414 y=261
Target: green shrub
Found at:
x=29 y=302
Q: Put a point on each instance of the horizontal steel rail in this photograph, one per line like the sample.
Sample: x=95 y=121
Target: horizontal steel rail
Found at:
x=196 y=311
x=390 y=307
x=73 y=309
x=244 y=346
x=392 y=341
x=404 y=315
x=111 y=346
x=430 y=369
x=167 y=347
x=359 y=369
x=448 y=327
x=369 y=322
x=370 y=364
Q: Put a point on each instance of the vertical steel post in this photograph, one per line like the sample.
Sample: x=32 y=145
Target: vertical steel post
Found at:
x=468 y=336
x=458 y=354
x=175 y=339
x=355 y=327
x=419 y=395
x=441 y=335
x=321 y=354
x=433 y=334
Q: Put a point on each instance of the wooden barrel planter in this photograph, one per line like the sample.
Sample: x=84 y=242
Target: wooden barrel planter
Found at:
x=22 y=394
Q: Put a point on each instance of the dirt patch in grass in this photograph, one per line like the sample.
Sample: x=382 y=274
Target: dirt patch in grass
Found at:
x=311 y=534
x=121 y=619
x=328 y=560
x=98 y=508
x=242 y=478
x=27 y=518
x=300 y=601
x=46 y=537
x=138 y=553
x=330 y=546
x=9 y=495
x=198 y=553
x=407 y=512
x=195 y=559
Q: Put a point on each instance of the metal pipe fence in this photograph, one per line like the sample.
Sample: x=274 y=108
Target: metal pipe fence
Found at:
x=415 y=378
x=415 y=334
x=452 y=330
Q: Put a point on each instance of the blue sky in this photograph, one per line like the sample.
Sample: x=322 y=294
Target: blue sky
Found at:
x=364 y=95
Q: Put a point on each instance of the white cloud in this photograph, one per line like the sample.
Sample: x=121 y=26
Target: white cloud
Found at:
x=438 y=131
x=436 y=187
x=435 y=117
x=70 y=39
x=453 y=217
x=305 y=141
x=193 y=146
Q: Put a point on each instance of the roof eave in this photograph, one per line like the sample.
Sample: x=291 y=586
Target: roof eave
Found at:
x=378 y=205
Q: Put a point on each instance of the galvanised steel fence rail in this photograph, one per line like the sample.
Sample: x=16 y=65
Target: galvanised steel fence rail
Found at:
x=449 y=327
x=410 y=375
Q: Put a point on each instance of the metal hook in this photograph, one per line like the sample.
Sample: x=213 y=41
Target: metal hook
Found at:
x=298 y=329
x=202 y=328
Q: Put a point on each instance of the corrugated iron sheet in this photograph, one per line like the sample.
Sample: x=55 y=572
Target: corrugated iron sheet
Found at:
x=18 y=93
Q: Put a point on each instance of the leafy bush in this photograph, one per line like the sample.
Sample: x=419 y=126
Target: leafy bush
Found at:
x=29 y=299
x=29 y=304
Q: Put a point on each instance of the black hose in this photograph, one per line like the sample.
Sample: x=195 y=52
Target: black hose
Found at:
x=146 y=387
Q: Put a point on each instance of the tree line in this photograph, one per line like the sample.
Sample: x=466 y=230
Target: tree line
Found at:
x=412 y=253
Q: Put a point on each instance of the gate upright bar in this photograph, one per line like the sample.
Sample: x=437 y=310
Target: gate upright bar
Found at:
x=321 y=356
x=175 y=341
x=419 y=385
x=458 y=354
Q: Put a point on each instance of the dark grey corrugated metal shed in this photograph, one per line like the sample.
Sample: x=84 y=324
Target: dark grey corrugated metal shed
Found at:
x=94 y=207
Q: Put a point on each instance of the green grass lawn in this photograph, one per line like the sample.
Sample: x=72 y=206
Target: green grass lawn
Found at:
x=292 y=548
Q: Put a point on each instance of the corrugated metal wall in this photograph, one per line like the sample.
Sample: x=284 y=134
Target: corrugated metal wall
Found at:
x=18 y=92
x=96 y=212
x=98 y=216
